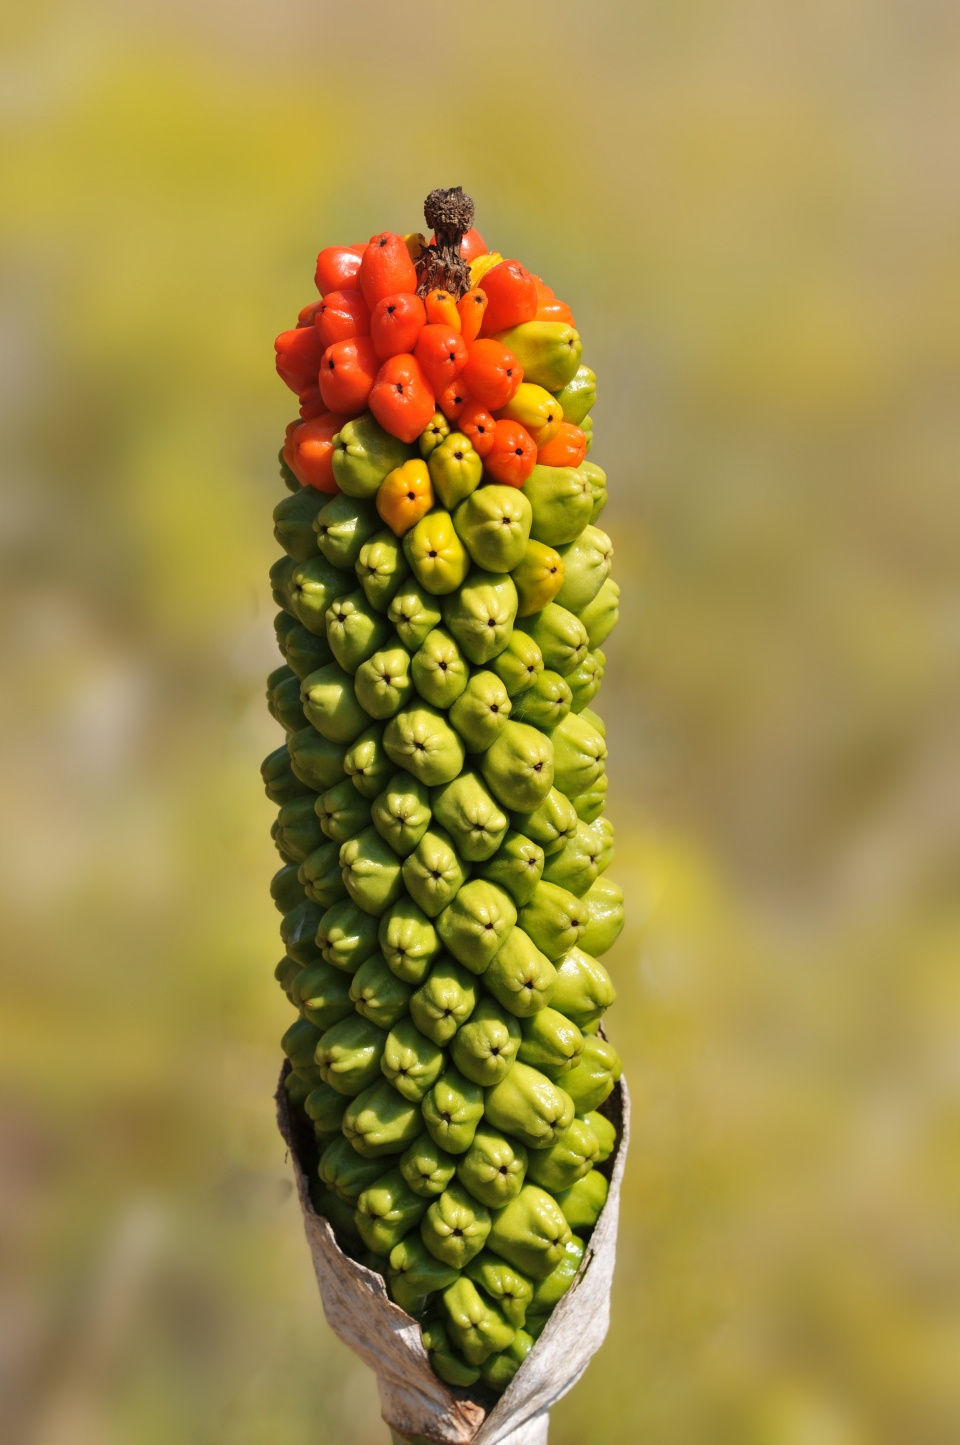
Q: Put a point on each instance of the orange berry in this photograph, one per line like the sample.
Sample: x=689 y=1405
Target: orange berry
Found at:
x=340 y=315
x=452 y=399
x=476 y=423
x=470 y=309
x=308 y=451
x=386 y=268
x=395 y=324
x=554 y=310
x=442 y=354
x=492 y=373
x=337 y=268
x=512 y=296
x=299 y=353
x=441 y=309
x=513 y=455
x=347 y=372
x=566 y=448
x=472 y=245
x=401 y=399
x=405 y=495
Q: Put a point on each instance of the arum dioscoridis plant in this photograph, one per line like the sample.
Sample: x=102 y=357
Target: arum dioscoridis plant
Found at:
x=444 y=595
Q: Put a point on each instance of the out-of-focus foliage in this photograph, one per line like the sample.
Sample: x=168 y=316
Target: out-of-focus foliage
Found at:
x=752 y=210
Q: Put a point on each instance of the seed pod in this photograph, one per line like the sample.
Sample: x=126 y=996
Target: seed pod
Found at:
x=421 y=740
x=322 y=995
x=567 y=1160
x=401 y=813
x=455 y=1227
x=438 y=669
x=538 y=577
x=553 y=918
x=470 y=815
x=414 y=1275
x=298 y=929
x=342 y=527
x=283 y=699
x=299 y=830
x=485 y=1047
x=355 y=631
x=584 y=682
x=371 y=872
x=286 y=890
x=304 y=652
x=597 y=479
x=605 y=1133
x=446 y=1363
x=593 y=1081
x=519 y=664
x=293 y=523
x=325 y=1109
x=493 y=1168
x=321 y=876
x=586 y=566
x=280 y=782
x=363 y=454
x=546 y=703
x=452 y=1109
x=577 y=864
x=340 y=1215
x=481 y=710
x=578 y=396
x=548 y=1292
x=455 y=469
x=561 y=499
x=583 y=1201
x=527 y=1104
x=436 y=555
x=551 y=1043
x=299 y=1043
x=342 y=811
x=344 y=1172
x=381 y=569
x=552 y=824
x=517 y=866
x=409 y=940
x=494 y=526
x=434 y=872
x=591 y=803
x=584 y=989
x=414 y=612
x=518 y=767
x=330 y=703
x=346 y=935
x=366 y=762
x=348 y=1055
x=510 y=1289
x=282 y=584
x=380 y=1121
x=477 y=1325
x=600 y=616
x=480 y=614
x=426 y=1167
x=604 y=902
x=383 y=683
x=560 y=636
x=378 y=994
x=316 y=760
x=386 y=1211
x=530 y=1232
x=314 y=587
x=498 y=1369
x=444 y=1001
x=410 y=1061
x=476 y=924
x=521 y=977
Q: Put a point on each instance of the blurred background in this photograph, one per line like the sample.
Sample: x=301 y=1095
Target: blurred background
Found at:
x=753 y=210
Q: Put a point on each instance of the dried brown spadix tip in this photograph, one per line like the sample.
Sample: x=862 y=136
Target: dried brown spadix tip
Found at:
x=449 y=214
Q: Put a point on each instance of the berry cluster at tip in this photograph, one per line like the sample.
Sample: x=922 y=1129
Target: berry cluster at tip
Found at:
x=444 y=593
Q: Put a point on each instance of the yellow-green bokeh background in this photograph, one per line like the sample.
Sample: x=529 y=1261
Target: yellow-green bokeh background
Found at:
x=753 y=210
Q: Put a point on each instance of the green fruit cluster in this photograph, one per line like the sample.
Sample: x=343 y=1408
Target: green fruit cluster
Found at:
x=444 y=899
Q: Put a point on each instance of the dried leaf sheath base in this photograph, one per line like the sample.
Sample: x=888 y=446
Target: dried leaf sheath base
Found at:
x=415 y=1401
